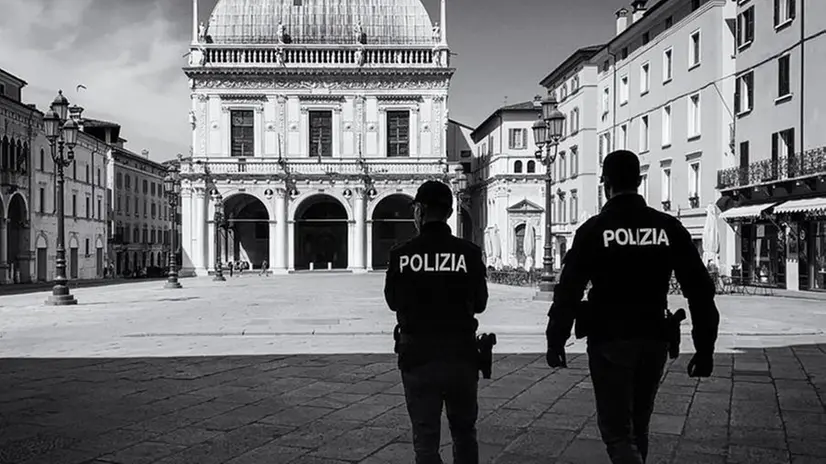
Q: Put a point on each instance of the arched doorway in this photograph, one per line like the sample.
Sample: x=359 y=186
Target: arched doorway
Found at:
x=321 y=234
x=17 y=245
x=42 y=258
x=246 y=235
x=392 y=224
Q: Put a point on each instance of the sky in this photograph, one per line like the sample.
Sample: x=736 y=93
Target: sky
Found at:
x=129 y=54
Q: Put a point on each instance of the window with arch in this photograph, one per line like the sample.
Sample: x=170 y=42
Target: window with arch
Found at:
x=531 y=167
x=519 y=243
x=119 y=180
x=127 y=182
x=517 y=167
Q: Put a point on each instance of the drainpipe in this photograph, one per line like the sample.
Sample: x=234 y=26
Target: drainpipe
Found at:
x=614 y=92
x=802 y=6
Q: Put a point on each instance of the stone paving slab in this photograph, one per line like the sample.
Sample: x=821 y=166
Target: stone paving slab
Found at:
x=349 y=409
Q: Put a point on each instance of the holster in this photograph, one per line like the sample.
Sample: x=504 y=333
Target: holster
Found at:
x=397 y=335
x=672 y=322
x=583 y=319
x=484 y=345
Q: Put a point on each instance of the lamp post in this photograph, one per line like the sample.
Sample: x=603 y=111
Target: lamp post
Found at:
x=218 y=219
x=460 y=184
x=60 y=132
x=172 y=187
x=547 y=131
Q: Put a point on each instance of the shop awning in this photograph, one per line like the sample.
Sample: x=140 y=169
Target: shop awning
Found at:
x=750 y=211
x=803 y=205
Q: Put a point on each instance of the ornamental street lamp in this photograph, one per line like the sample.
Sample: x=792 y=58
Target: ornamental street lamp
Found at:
x=546 y=132
x=60 y=132
x=172 y=188
x=218 y=219
x=460 y=184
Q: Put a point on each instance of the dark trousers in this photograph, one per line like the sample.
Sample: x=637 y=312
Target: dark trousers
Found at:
x=626 y=375
x=455 y=383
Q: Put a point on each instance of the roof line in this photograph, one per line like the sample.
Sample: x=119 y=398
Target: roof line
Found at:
x=505 y=109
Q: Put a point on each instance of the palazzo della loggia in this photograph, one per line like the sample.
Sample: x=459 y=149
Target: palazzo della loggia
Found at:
x=313 y=123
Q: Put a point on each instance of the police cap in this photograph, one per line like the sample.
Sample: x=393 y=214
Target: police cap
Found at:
x=434 y=193
x=621 y=169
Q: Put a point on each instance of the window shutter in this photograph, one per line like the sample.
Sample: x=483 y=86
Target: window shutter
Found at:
x=774 y=146
x=750 y=25
x=750 y=90
x=777 y=11
x=791 y=142
x=737 y=92
x=524 y=138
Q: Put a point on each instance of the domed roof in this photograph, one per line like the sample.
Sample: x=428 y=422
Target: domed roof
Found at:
x=320 y=21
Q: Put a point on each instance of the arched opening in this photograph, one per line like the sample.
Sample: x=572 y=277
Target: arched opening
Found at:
x=4 y=148
x=17 y=245
x=392 y=224
x=245 y=236
x=321 y=234
x=519 y=244
x=531 y=167
x=517 y=167
x=42 y=258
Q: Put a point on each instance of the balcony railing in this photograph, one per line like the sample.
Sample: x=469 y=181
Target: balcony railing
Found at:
x=309 y=167
x=318 y=56
x=809 y=163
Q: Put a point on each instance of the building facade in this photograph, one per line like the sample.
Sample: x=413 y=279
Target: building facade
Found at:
x=20 y=131
x=576 y=167
x=312 y=127
x=506 y=186
x=85 y=204
x=774 y=194
x=666 y=86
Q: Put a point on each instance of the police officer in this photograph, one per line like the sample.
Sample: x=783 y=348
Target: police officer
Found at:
x=436 y=284
x=628 y=253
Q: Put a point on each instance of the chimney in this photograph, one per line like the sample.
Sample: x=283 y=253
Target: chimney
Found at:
x=638 y=10
x=145 y=153
x=622 y=20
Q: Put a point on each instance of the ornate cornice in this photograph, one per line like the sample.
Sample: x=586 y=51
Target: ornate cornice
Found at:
x=321 y=98
x=399 y=98
x=322 y=80
x=243 y=97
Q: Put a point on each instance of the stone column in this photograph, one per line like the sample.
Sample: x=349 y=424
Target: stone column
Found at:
x=187 y=234
x=4 y=251
x=369 y=233
x=359 y=230
x=291 y=245
x=199 y=225
x=211 y=251
x=278 y=234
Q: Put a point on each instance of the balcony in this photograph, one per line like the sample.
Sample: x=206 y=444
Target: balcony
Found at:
x=802 y=165
x=317 y=56
x=311 y=167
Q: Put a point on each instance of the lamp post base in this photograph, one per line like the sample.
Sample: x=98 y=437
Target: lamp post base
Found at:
x=61 y=300
x=545 y=291
x=172 y=284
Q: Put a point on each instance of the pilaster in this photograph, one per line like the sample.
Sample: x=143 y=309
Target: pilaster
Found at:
x=278 y=233
x=359 y=230
x=187 y=232
x=198 y=241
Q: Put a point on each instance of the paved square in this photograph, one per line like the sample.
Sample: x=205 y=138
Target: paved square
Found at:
x=298 y=369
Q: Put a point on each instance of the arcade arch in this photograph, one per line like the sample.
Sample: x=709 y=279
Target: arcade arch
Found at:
x=321 y=224
x=392 y=224
x=17 y=239
x=245 y=236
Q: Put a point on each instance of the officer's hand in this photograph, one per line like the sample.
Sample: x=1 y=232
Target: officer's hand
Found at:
x=556 y=357
x=701 y=365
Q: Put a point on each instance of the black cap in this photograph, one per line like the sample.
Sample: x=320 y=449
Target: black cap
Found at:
x=434 y=193
x=621 y=167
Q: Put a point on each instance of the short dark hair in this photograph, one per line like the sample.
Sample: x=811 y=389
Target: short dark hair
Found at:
x=621 y=170
x=435 y=198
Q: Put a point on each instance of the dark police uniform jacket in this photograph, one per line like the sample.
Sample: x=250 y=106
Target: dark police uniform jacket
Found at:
x=628 y=253
x=436 y=284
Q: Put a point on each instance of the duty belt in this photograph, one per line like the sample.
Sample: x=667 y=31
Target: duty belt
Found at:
x=447 y=338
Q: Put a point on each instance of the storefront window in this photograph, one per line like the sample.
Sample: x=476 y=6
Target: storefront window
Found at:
x=767 y=261
x=819 y=255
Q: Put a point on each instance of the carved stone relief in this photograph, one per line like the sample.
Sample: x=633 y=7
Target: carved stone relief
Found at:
x=342 y=83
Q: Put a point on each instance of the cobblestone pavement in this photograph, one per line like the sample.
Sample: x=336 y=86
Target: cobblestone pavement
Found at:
x=233 y=374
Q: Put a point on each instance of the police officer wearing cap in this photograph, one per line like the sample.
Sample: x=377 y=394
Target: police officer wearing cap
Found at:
x=628 y=253
x=436 y=284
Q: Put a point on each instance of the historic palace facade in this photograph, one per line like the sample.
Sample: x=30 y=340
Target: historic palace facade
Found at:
x=313 y=123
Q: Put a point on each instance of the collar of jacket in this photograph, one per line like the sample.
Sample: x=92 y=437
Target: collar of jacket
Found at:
x=625 y=200
x=435 y=228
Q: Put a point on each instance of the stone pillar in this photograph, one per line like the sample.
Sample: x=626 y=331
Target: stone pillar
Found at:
x=359 y=230
x=211 y=251
x=199 y=225
x=278 y=237
x=291 y=245
x=187 y=234
x=4 y=251
x=369 y=233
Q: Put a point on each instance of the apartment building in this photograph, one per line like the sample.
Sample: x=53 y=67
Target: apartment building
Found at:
x=576 y=169
x=666 y=86
x=774 y=195
x=507 y=187
x=84 y=207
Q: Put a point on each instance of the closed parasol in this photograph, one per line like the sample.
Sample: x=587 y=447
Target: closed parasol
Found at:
x=711 y=237
x=528 y=246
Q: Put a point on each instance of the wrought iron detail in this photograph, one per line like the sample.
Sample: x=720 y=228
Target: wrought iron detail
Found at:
x=805 y=164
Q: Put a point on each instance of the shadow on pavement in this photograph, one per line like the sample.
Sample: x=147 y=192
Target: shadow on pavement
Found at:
x=761 y=406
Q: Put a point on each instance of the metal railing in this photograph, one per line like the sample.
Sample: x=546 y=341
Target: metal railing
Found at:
x=808 y=163
x=318 y=55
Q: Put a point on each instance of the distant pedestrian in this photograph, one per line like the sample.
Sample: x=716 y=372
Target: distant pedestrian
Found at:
x=230 y=267
x=264 y=266
x=628 y=253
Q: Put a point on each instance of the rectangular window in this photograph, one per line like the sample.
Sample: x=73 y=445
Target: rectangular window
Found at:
x=604 y=146
x=623 y=140
x=574 y=206
x=744 y=93
x=784 y=12
x=154 y=211
x=644 y=78
x=88 y=180
x=644 y=134
x=98 y=178
x=694 y=120
x=242 y=132
x=145 y=186
x=100 y=214
x=88 y=209
x=783 y=76
x=518 y=138
x=623 y=90
x=744 y=155
x=782 y=144
x=119 y=180
x=642 y=190
x=694 y=50
x=152 y=189
x=321 y=133
x=574 y=161
x=605 y=102
x=74 y=205
x=666 y=184
x=562 y=166
x=667 y=65
x=118 y=205
x=666 y=125
x=86 y=243
x=694 y=182
x=74 y=171
x=42 y=160
x=145 y=209
x=398 y=133
x=745 y=28
x=41 y=207
x=490 y=144
x=137 y=207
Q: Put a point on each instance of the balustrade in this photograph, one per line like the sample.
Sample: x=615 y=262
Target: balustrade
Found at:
x=302 y=56
x=809 y=163
x=310 y=167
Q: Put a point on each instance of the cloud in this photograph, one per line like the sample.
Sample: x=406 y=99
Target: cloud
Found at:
x=128 y=54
